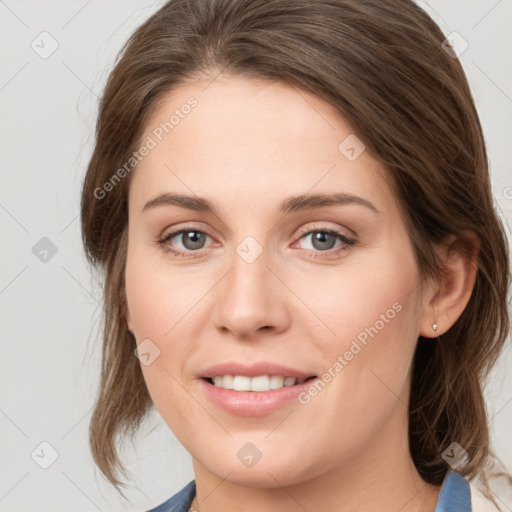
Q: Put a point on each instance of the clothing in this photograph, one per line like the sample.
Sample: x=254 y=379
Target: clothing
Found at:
x=180 y=502
x=455 y=496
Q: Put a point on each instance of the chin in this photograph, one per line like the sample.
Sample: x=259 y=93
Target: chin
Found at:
x=277 y=471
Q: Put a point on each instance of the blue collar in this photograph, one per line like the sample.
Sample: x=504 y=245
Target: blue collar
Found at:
x=455 y=496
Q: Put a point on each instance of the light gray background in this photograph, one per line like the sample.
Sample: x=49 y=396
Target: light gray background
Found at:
x=50 y=310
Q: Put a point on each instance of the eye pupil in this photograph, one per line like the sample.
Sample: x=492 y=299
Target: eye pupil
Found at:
x=320 y=237
x=192 y=236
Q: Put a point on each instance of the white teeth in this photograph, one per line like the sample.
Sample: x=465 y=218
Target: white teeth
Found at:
x=276 y=382
x=289 y=381
x=241 y=383
x=227 y=383
x=259 y=383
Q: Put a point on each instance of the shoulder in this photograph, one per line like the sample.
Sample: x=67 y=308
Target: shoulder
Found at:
x=479 y=503
x=180 y=502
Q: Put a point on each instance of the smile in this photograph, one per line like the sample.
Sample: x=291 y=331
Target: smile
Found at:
x=259 y=383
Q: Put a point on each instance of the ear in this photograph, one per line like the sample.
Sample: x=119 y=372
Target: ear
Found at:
x=448 y=297
x=129 y=321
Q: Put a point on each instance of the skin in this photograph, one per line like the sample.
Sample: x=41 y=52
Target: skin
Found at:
x=246 y=147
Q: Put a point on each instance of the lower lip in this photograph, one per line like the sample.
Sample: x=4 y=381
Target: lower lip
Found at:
x=253 y=403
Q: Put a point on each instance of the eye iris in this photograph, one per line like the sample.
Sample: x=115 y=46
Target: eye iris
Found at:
x=319 y=236
x=192 y=236
x=195 y=239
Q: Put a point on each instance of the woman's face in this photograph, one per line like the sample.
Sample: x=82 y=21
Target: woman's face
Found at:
x=267 y=286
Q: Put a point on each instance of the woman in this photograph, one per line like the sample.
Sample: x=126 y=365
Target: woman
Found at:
x=304 y=271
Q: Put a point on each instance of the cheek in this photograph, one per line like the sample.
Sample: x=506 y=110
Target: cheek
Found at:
x=365 y=301
x=372 y=316
x=155 y=311
x=155 y=298
x=161 y=305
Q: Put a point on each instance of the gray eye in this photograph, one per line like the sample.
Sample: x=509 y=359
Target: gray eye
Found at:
x=322 y=240
x=192 y=240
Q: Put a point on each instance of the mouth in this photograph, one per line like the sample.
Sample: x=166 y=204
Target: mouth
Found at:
x=255 y=388
x=241 y=395
x=258 y=384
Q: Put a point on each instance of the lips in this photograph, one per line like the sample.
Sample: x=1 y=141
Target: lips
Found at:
x=254 y=370
x=253 y=389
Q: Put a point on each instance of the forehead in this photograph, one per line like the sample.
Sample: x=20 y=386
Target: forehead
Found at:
x=253 y=140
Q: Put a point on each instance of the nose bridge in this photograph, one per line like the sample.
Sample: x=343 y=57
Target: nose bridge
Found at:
x=249 y=297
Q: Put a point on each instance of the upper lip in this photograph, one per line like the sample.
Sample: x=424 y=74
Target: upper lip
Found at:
x=253 y=370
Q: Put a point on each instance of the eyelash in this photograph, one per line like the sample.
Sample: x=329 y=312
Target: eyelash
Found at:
x=347 y=241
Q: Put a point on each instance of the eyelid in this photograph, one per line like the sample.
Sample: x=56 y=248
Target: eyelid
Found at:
x=165 y=237
x=347 y=241
x=322 y=226
x=185 y=227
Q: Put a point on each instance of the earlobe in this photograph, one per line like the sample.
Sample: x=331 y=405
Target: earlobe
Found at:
x=435 y=325
x=129 y=322
x=444 y=307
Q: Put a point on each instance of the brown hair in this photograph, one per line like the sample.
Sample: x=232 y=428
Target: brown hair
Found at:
x=382 y=65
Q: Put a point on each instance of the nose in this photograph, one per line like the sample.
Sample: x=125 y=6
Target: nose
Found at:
x=251 y=299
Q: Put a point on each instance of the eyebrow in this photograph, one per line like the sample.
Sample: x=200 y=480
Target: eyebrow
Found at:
x=292 y=204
